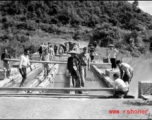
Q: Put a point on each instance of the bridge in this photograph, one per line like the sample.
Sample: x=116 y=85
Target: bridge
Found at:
x=57 y=83
x=99 y=82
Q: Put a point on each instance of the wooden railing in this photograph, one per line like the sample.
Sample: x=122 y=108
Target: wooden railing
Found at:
x=54 y=89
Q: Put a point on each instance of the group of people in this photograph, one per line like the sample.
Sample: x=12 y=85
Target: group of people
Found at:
x=77 y=66
x=23 y=64
x=46 y=48
x=122 y=80
x=57 y=49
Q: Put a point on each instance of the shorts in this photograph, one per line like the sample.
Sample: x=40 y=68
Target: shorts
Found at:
x=6 y=66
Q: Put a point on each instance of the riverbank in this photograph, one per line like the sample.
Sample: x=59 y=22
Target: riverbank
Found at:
x=54 y=108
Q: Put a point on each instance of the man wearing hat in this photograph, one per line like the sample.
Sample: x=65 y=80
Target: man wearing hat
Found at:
x=73 y=66
x=85 y=62
x=112 y=53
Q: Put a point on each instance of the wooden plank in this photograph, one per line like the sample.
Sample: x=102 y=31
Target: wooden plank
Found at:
x=44 y=96
x=55 y=89
x=54 y=62
x=58 y=94
x=8 y=82
x=54 y=94
x=35 y=61
x=49 y=79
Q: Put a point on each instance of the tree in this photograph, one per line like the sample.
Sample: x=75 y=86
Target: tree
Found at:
x=136 y=3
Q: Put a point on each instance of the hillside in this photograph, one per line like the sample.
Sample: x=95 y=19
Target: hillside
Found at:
x=26 y=23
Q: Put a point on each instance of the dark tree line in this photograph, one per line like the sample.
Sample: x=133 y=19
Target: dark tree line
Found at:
x=108 y=20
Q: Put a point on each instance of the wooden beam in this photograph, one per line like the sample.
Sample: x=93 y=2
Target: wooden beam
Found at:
x=53 y=62
x=57 y=94
x=35 y=61
x=54 y=96
x=54 y=89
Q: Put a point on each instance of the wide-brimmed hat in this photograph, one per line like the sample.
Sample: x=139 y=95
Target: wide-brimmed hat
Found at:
x=73 y=52
x=111 y=45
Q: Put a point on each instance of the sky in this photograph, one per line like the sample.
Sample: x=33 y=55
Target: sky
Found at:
x=146 y=6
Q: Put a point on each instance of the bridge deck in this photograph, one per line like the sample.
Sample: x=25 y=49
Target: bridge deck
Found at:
x=61 y=80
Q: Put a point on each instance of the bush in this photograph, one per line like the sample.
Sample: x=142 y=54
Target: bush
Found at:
x=22 y=38
x=142 y=50
x=32 y=48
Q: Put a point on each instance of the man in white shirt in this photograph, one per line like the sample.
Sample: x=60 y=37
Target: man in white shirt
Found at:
x=23 y=64
x=51 y=51
x=84 y=63
x=126 y=71
x=46 y=57
x=112 y=53
x=120 y=88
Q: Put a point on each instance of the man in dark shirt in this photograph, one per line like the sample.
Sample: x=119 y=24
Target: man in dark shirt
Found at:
x=73 y=66
x=40 y=50
x=92 y=52
x=55 y=49
x=6 y=65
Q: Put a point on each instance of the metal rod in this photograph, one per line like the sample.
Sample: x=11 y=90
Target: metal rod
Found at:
x=53 y=62
x=44 y=96
x=54 y=89
x=54 y=96
x=47 y=94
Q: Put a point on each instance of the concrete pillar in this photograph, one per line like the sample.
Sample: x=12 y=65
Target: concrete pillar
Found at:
x=144 y=88
x=106 y=79
x=110 y=72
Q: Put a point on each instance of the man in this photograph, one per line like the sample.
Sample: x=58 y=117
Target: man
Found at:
x=46 y=57
x=40 y=50
x=6 y=65
x=75 y=47
x=92 y=52
x=120 y=88
x=70 y=45
x=126 y=71
x=85 y=62
x=61 y=49
x=73 y=66
x=112 y=53
x=67 y=46
x=55 y=49
x=51 y=51
x=95 y=44
x=23 y=64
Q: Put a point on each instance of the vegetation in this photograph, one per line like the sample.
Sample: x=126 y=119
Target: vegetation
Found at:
x=104 y=21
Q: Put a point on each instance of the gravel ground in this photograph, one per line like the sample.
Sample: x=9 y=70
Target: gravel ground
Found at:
x=54 y=108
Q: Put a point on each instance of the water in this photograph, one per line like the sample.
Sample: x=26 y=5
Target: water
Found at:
x=142 y=72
